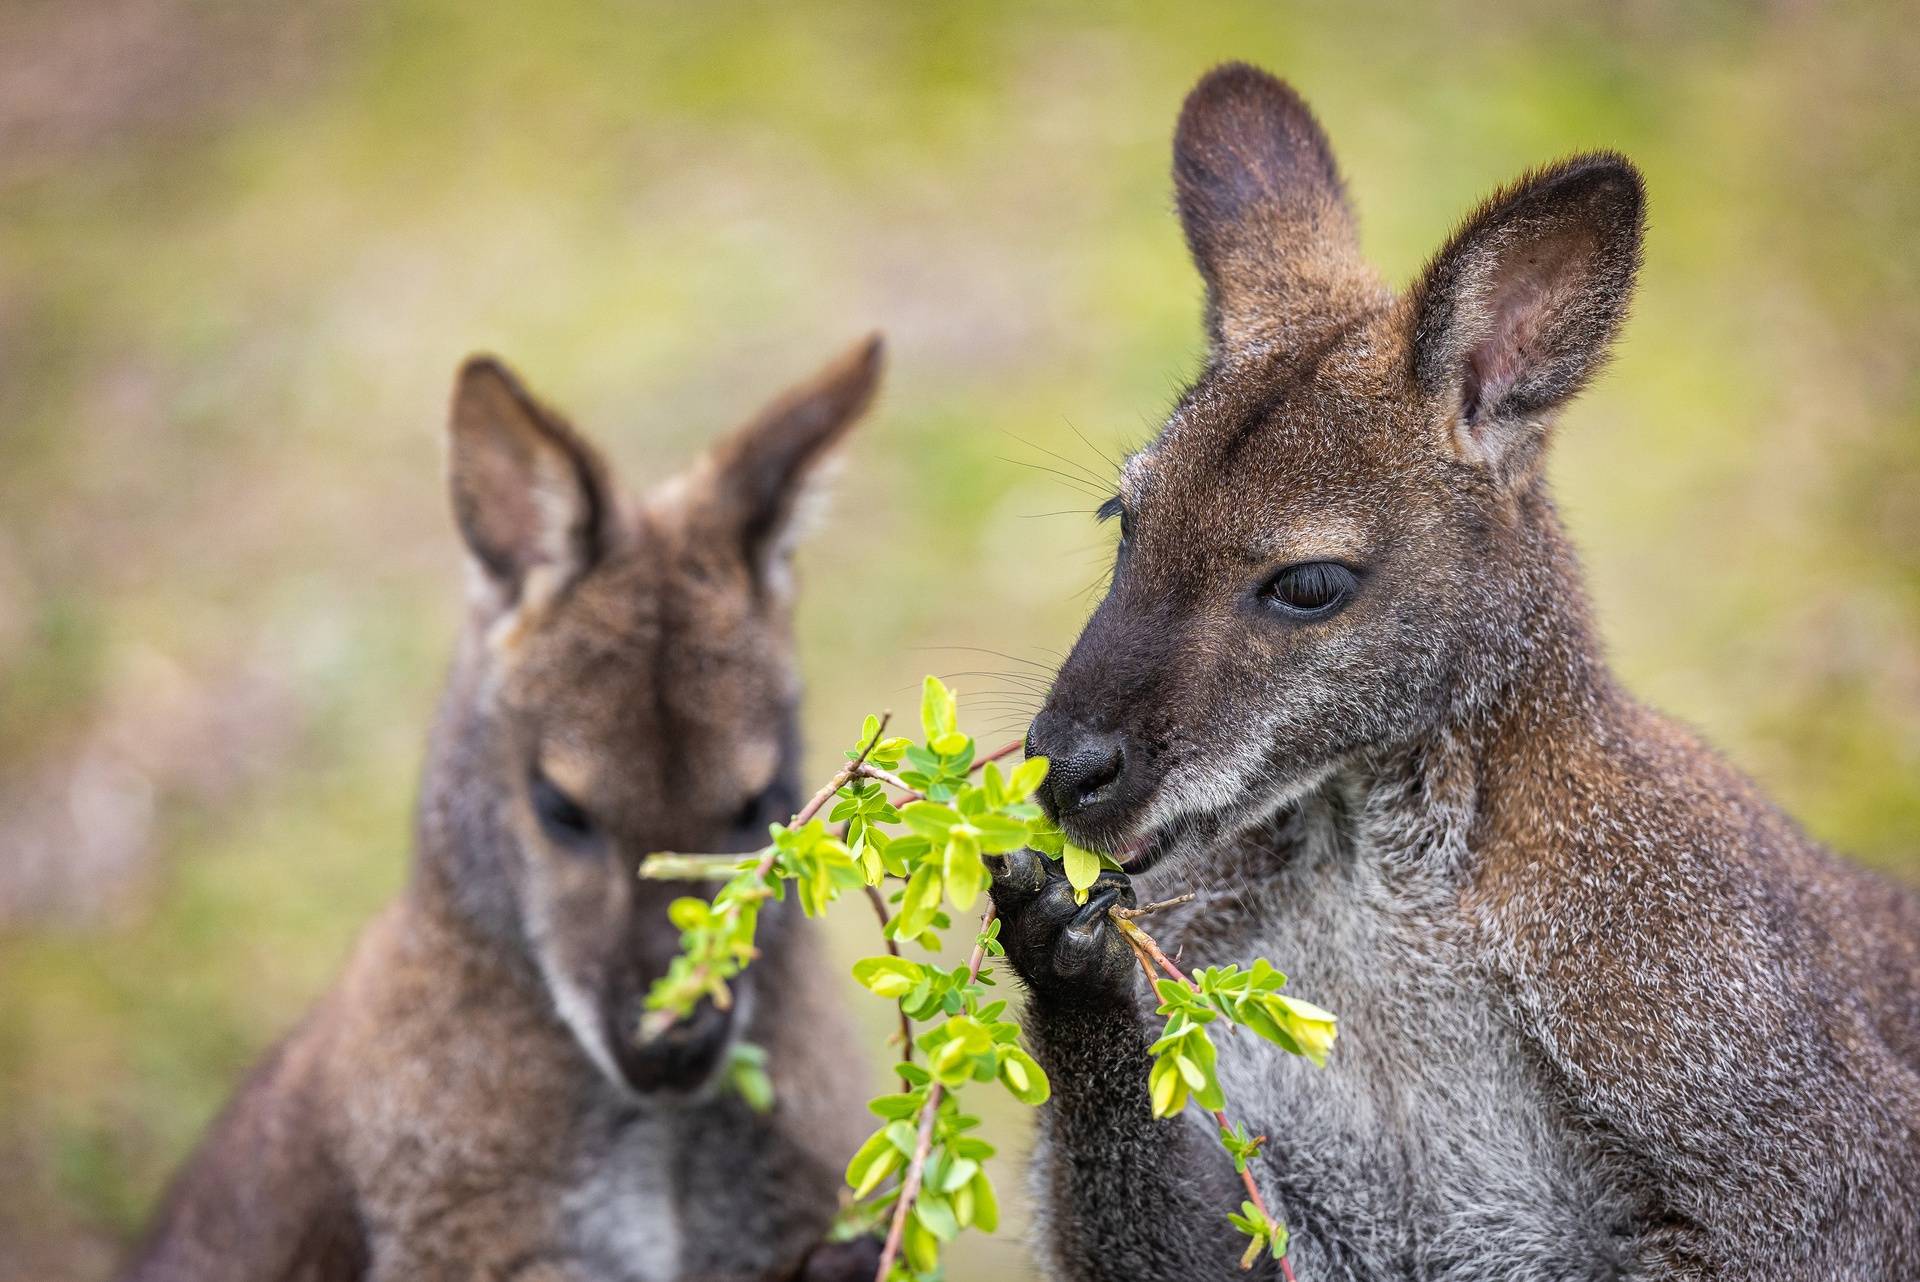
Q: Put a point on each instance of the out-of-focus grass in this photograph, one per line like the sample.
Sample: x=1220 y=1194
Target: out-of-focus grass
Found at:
x=230 y=305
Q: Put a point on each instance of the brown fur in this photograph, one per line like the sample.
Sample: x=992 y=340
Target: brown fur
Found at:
x=470 y=1101
x=1607 y=1012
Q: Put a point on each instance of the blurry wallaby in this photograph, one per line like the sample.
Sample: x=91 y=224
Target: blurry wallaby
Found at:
x=1607 y=1012
x=470 y=1100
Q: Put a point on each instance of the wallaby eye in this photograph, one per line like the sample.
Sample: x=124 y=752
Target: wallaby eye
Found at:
x=1311 y=590
x=1112 y=508
x=772 y=804
x=562 y=818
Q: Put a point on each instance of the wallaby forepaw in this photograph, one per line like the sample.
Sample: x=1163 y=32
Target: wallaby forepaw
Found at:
x=1063 y=949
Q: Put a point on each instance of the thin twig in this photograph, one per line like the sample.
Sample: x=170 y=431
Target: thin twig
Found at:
x=839 y=780
x=892 y=780
x=652 y=1025
x=923 y=1146
x=879 y=903
x=1128 y=914
x=663 y=865
x=910 y=793
x=1146 y=943
x=1147 y=951
x=1004 y=750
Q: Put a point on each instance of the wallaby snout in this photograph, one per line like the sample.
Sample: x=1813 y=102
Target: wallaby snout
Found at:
x=1087 y=767
x=683 y=1056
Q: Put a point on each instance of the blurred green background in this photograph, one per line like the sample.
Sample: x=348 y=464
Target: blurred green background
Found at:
x=242 y=247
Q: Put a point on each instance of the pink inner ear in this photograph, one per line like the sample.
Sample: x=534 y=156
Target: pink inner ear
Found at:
x=1528 y=290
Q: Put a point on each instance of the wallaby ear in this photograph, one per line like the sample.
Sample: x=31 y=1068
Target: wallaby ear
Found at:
x=1265 y=212
x=531 y=497
x=765 y=474
x=1518 y=311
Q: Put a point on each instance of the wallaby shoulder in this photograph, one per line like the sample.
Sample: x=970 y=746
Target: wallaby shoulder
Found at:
x=1705 y=979
x=265 y=1196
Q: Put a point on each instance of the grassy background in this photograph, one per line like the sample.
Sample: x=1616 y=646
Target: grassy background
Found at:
x=241 y=252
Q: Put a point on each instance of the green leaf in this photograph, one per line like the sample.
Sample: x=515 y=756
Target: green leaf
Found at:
x=746 y=1073
x=966 y=874
x=888 y=976
x=1312 y=1027
x=958 y=1172
x=921 y=901
x=688 y=913
x=994 y=785
x=1044 y=837
x=1000 y=833
x=922 y=1247
x=902 y=1136
x=930 y=819
x=872 y=1163
x=939 y=712
x=1242 y=1147
x=1164 y=1087
x=986 y=1206
x=936 y=1213
x=894 y=1107
x=1083 y=866
x=1022 y=1076
x=1026 y=777
x=950 y=744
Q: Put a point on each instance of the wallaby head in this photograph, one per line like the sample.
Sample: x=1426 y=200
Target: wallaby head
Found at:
x=626 y=684
x=1340 y=540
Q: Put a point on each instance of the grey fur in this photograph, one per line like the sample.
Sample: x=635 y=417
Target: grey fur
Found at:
x=1606 y=1012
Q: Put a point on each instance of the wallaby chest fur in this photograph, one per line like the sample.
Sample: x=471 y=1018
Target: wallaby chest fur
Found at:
x=1434 y=1144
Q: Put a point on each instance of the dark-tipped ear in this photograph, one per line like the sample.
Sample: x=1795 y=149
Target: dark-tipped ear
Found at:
x=1518 y=311
x=1265 y=212
x=531 y=498
x=765 y=474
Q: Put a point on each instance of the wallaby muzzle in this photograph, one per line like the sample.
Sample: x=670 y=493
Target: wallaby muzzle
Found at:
x=682 y=1057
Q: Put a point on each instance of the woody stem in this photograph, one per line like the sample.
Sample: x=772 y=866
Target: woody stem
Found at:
x=923 y=1145
x=1147 y=952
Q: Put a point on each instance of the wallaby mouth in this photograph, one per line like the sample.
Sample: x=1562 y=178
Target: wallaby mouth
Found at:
x=1141 y=853
x=682 y=1057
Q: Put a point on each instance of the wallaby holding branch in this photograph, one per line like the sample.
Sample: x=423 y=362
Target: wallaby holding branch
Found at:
x=470 y=1102
x=1607 y=1013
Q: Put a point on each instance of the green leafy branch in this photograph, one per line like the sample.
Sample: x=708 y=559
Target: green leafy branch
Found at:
x=1184 y=1056
x=917 y=853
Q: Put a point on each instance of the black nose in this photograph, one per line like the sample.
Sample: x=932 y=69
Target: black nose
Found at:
x=1085 y=766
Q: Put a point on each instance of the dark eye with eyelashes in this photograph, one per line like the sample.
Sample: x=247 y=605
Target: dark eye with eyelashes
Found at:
x=1310 y=590
x=562 y=819
x=1113 y=508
